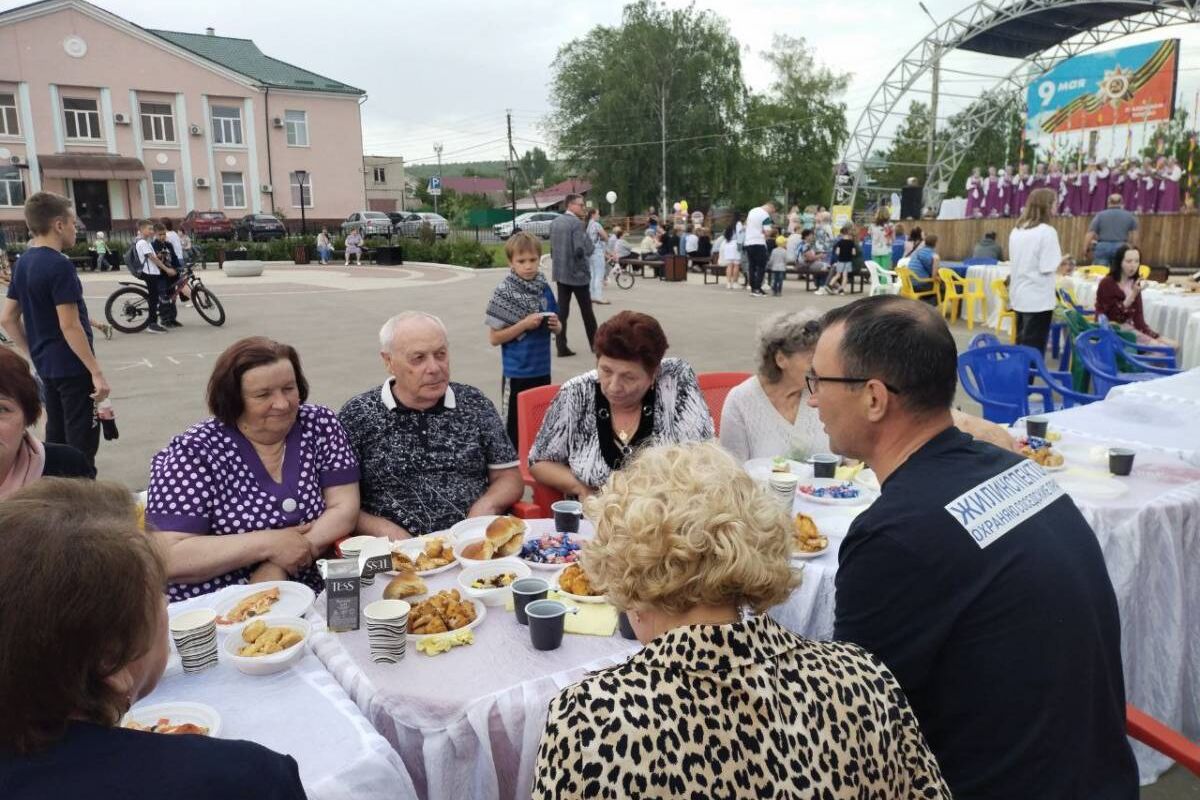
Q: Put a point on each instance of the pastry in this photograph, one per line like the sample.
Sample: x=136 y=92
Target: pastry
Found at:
x=406 y=584
x=262 y=640
x=479 y=551
x=506 y=534
x=252 y=605
x=806 y=538
x=574 y=580
x=445 y=611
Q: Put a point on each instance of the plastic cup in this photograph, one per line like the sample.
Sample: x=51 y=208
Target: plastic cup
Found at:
x=526 y=591
x=567 y=514
x=195 y=637
x=547 y=620
x=783 y=486
x=1120 y=461
x=387 y=630
x=825 y=465
x=1036 y=427
x=625 y=627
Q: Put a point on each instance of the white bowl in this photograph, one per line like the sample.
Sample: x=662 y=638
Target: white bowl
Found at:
x=356 y=543
x=178 y=713
x=275 y=662
x=480 y=613
x=462 y=544
x=473 y=526
x=491 y=597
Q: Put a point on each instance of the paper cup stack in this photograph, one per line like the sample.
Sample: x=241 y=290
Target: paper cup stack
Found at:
x=783 y=487
x=387 y=630
x=195 y=636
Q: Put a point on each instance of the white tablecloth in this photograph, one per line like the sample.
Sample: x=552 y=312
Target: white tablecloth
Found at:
x=1141 y=423
x=467 y=723
x=1175 y=315
x=1183 y=388
x=301 y=712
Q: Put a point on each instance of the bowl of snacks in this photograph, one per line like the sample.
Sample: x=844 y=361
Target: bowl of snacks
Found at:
x=502 y=539
x=574 y=583
x=425 y=555
x=832 y=492
x=807 y=541
x=492 y=583
x=442 y=613
x=1042 y=452
x=174 y=719
x=267 y=645
x=551 y=552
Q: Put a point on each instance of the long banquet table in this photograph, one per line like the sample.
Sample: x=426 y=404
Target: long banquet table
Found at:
x=302 y=712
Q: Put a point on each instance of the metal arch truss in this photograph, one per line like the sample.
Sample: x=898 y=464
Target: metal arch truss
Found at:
x=973 y=21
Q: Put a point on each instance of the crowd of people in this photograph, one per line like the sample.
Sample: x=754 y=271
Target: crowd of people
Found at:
x=943 y=644
x=1149 y=186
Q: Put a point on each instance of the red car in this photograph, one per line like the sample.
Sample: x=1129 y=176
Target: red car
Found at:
x=208 y=225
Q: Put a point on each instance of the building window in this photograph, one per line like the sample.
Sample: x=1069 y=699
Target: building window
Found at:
x=82 y=118
x=158 y=123
x=165 y=193
x=380 y=175
x=295 y=181
x=233 y=190
x=227 y=124
x=12 y=188
x=8 y=116
x=296 y=123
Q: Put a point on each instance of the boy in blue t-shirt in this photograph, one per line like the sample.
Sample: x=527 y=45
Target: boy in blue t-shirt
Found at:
x=521 y=316
x=45 y=316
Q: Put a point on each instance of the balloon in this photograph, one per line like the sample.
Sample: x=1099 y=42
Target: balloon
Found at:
x=611 y=197
x=676 y=206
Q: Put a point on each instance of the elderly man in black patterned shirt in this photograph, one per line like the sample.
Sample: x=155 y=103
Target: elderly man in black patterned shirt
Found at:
x=432 y=452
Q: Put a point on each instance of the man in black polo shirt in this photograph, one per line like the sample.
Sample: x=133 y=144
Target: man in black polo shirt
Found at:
x=432 y=452
x=973 y=577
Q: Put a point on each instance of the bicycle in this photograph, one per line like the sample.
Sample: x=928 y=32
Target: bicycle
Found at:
x=622 y=275
x=128 y=308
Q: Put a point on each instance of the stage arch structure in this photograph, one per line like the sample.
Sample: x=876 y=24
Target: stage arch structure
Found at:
x=1040 y=33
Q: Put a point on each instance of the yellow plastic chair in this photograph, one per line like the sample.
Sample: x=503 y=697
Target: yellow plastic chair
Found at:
x=1094 y=271
x=958 y=292
x=1000 y=290
x=906 y=285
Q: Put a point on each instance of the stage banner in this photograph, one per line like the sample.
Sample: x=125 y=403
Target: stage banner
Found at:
x=1127 y=86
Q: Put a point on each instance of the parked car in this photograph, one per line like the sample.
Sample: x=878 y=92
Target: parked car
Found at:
x=259 y=228
x=371 y=223
x=396 y=217
x=207 y=225
x=535 y=222
x=411 y=226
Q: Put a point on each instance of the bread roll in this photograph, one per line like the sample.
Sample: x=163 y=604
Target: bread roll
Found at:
x=479 y=551
x=506 y=534
x=406 y=584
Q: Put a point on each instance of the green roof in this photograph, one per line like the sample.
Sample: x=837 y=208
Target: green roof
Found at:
x=244 y=57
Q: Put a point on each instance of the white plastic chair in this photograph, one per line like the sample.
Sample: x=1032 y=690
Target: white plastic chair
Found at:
x=546 y=264
x=883 y=281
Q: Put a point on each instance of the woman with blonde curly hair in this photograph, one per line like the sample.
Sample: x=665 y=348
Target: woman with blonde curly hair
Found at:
x=719 y=702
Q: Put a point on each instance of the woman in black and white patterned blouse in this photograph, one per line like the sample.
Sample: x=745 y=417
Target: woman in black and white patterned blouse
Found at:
x=634 y=398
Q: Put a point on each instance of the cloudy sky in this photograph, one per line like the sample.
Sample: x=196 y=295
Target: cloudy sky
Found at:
x=446 y=71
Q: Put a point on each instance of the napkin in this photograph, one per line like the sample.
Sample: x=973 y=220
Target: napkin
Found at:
x=593 y=619
x=848 y=473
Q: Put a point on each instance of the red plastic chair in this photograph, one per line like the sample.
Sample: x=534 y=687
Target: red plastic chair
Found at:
x=716 y=386
x=1152 y=733
x=531 y=409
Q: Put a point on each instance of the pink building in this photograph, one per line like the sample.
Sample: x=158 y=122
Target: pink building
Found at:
x=131 y=122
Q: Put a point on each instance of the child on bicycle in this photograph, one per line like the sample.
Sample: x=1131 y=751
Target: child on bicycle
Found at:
x=520 y=318
x=174 y=276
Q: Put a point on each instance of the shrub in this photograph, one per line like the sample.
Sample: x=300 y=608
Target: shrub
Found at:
x=425 y=234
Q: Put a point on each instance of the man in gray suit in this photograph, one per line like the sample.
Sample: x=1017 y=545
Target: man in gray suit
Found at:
x=570 y=249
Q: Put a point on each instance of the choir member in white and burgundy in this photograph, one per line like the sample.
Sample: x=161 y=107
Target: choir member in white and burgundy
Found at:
x=1168 y=187
x=974 y=194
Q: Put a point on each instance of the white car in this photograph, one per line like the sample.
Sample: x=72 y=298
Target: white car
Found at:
x=371 y=223
x=411 y=224
x=535 y=222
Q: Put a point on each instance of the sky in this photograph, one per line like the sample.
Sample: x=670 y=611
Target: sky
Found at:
x=445 y=72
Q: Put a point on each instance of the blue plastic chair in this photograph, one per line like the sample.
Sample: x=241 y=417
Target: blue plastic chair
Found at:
x=998 y=378
x=979 y=262
x=1099 y=349
x=984 y=340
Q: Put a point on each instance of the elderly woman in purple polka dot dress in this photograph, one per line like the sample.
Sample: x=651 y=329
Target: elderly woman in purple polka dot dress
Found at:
x=258 y=491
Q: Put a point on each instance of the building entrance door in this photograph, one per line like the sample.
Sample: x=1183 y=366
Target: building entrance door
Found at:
x=91 y=204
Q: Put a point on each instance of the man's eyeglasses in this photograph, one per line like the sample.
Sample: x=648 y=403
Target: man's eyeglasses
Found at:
x=813 y=383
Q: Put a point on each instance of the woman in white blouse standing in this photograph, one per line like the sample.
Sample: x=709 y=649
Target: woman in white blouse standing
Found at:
x=765 y=416
x=1035 y=256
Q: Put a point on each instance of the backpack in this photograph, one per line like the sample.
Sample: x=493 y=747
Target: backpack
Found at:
x=133 y=263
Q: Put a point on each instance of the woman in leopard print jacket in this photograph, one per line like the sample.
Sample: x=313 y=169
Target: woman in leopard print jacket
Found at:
x=719 y=703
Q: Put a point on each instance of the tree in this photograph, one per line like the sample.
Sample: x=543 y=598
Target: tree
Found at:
x=906 y=157
x=998 y=144
x=793 y=132
x=662 y=74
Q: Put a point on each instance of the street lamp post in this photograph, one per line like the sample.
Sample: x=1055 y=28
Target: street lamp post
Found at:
x=302 y=179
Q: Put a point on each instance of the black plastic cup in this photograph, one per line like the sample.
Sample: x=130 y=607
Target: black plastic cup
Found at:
x=1120 y=461
x=624 y=626
x=824 y=465
x=547 y=619
x=1036 y=427
x=566 y=515
x=526 y=591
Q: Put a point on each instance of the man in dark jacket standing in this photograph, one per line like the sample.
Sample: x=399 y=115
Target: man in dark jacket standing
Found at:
x=570 y=249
